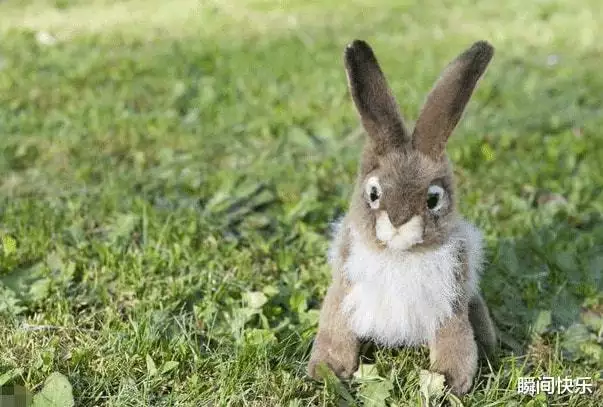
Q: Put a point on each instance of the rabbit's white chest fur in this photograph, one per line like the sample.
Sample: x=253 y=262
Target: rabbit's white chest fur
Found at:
x=401 y=298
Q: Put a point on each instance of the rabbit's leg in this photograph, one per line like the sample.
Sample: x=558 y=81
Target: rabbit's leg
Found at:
x=483 y=328
x=453 y=352
x=335 y=344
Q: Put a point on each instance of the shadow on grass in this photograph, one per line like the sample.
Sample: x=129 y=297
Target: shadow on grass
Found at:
x=544 y=282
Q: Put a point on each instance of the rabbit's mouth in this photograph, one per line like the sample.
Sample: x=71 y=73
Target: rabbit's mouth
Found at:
x=404 y=236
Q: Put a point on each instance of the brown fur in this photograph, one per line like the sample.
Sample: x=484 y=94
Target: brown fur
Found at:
x=483 y=327
x=406 y=165
x=453 y=352
x=446 y=102
x=335 y=344
x=404 y=176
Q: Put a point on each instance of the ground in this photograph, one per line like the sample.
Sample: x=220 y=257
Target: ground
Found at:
x=169 y=171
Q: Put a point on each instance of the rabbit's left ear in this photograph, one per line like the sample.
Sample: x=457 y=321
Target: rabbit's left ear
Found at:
x=447 y=100
x=375 y=103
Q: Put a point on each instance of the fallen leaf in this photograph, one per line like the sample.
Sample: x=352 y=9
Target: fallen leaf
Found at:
x=255 y=299
x=151 y=368
x=542 y=322
x=573 y=338
x=367 y=372
x=592 y=319
x=169 y=366
x=8 y=376
x=375 y=393
x=431 y=384
x=57 y=392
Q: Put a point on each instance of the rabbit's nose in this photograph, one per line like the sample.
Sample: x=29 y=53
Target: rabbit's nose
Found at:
x=399 y=218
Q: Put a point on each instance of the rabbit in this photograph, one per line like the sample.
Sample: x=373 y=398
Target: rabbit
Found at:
x=405 y=265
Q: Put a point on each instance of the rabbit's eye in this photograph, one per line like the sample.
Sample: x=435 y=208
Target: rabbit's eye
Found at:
x=373 y=192
x=432 y=200
x=374 y=195
x=434 y=197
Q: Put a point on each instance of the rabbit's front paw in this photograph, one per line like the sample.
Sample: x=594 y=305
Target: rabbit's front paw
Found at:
x=339 y=356
x=344 y=369
x=458 y=366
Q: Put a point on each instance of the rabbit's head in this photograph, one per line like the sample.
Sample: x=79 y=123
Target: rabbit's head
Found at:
x=404 y=196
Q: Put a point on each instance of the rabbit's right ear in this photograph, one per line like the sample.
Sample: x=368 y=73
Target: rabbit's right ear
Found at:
x=377 y=107
x=449 y=97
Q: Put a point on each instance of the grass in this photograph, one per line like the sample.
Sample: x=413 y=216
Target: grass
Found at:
x=169 y=171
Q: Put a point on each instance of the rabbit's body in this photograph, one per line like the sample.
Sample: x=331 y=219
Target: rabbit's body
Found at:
x=402 y=297
x=405 y=264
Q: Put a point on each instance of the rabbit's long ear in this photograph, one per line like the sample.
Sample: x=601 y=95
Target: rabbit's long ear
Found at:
x=377 y=107
x=449 y=97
